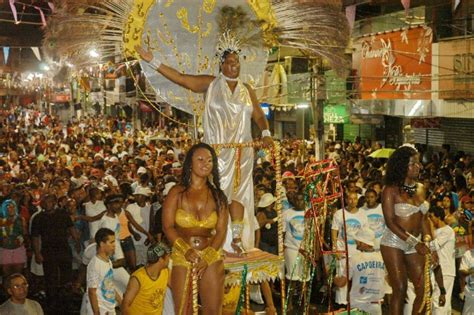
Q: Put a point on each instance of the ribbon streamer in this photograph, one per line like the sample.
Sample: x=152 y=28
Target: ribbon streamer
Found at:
x=15 y=14
x=242 y=290
x=351 y=15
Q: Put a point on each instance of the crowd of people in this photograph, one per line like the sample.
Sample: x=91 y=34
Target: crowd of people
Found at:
x=82 y=205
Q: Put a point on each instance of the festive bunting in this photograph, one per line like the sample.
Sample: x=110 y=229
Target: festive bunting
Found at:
x=43 y=19
x=36 y=52
x=351 y=14
x=456 y=3
x=406 y=5
x=6 y=53
x=13 y=8
x=51 y=6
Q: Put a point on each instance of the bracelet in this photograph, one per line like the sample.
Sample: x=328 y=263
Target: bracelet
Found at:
x=411 y=240
x=155 y=63
x=266 y=133
x=181 y=246
x=210 y=255
x=237 y=227
x=442 y=291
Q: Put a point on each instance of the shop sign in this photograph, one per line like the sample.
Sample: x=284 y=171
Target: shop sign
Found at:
x=426 y=123
x=61 y=98
x=456 y=69
x=395 y=65
x=335 y=114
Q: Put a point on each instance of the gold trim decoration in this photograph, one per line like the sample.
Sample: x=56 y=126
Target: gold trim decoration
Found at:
x=265 y=14
x=266 y=267
x=133 y=29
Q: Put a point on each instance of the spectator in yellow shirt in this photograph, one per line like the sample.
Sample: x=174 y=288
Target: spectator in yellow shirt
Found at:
x=146 y=289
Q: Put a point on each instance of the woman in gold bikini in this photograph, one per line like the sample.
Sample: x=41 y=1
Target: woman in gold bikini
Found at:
x=195 y=217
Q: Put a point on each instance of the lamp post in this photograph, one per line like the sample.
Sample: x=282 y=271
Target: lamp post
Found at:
x=303 y=107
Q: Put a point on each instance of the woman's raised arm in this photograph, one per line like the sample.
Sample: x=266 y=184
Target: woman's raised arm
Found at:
x=195 y=83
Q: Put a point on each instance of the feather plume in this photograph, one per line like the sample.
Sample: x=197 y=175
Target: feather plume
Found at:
x=314 y=28
x=236 y=21
x=81 y=25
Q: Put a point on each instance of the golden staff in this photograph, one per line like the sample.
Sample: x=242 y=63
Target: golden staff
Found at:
x=195 y=295
x=427 y=293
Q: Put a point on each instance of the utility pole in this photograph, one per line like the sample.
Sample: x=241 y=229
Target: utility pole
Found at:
x=317 y=109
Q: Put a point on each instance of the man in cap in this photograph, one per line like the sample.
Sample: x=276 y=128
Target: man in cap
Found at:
x=141 y=213
x=147 y=287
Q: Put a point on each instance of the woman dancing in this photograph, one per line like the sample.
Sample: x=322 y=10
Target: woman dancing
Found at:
x=195 y=217
x=404 y=211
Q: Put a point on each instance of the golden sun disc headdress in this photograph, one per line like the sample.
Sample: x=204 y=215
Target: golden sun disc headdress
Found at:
x=227 y=43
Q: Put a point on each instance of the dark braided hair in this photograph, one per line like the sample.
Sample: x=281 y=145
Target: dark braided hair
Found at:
x=397 y=166
x=214 y=186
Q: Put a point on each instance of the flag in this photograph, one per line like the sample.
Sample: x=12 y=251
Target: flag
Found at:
x=36 y=52
x=406 y=5
x=15 y=15
x=6 y=53
x=51 y=6
x=350 y=15
x=456 y=3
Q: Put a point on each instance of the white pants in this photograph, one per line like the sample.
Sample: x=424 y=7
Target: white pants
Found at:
x=448 y=282
x=294 y=266
x=468 y=308
x=341 y=293
x=140 y=252
x=86 y=307
x=372 y=309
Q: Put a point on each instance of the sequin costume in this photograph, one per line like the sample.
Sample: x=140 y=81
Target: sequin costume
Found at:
x=390 y=239
x=227 y=119
x=185 y=219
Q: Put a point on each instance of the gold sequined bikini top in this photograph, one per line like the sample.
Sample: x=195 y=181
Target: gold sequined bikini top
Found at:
x=186 y=220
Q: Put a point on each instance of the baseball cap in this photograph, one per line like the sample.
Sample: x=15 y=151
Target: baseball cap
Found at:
x=156 y=251
x=266 y=200
x=145 y=191
x=113 y=197
x=168 y=187
x=141 y=170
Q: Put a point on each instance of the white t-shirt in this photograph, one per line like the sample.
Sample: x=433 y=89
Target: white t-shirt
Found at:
x=134 y=210
x=376 y=222
x=114 y=225
x=30 y=307
x=93 y=209
x=121 y=276
x=467 y=263
x=354 y=222
x=444 y=242
x=293 y=223
x=79 y=181
x=100 y=276
x=145 y=215
x=367 y=271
